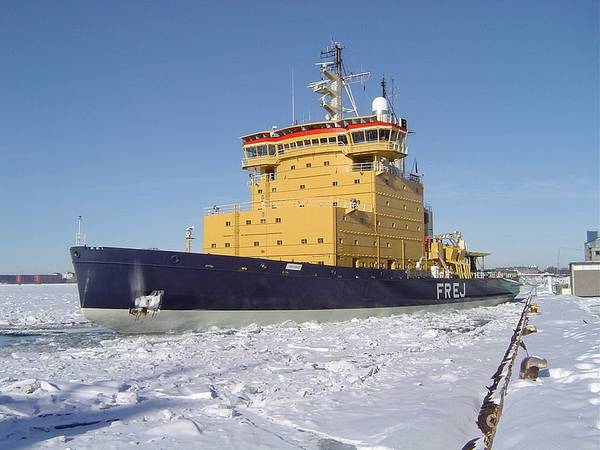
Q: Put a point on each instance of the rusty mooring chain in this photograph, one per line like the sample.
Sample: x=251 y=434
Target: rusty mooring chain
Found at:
x=491 y=407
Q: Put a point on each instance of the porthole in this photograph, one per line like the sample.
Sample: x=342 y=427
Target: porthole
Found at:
x=175 y=259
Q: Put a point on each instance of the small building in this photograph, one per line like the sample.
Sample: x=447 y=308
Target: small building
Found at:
x=592 y=246
x=585 y=278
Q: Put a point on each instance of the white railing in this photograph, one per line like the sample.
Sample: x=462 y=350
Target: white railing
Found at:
x=255 y=179
x=348 y=203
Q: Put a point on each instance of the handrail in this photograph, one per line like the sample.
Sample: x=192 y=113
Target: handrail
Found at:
x=348 y=203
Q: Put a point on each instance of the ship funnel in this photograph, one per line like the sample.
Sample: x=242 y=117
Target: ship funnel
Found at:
x=381 y=107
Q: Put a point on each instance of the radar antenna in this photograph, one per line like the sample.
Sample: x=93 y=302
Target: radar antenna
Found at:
x=384 y=94
x=334 y=81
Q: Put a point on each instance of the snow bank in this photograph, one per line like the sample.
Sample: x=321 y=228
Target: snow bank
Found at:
x=407 y=382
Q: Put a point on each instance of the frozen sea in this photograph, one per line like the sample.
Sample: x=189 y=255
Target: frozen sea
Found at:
x=406 y=382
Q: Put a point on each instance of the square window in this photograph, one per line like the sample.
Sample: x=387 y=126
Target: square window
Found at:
x=393 y=224
x=279 y=242
x=326 y=163
x=388 y=245
x=304 y=241
x=260 y=191
x=302 y=186
x=334 y=203
x=213 y=245
x=256 y=243
x=335 y=183
x=277 y=219
x=263 y=221
x=248 y=222
x=341 y=240
x=308 y=165
x=357 y=181
x=273 y=189
x=387 y=203
x=292 y=167
x=228 y=223
x=227 y=245
x=355 y=241
x=320 y=240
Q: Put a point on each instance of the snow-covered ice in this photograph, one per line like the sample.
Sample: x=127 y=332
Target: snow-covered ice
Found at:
x=407 y=382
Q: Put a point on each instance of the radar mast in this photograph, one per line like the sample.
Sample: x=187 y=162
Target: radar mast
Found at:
x=334 y=81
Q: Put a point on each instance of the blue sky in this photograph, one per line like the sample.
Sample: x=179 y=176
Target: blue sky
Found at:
x=129 y=113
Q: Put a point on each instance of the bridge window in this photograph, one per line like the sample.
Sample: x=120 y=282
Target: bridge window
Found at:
x=384 y=135
x=271 y=150
x=394 y=136
x=292 y=145
x=332 y=140
x=323 y=140
x=306 y=142
x=342 y=139
x=280 y=147
x=299 y=144
x=286 y=146
x=261 y=150
x=358 y=137
x=371 y=135
x=315 y=142
x=250 y=152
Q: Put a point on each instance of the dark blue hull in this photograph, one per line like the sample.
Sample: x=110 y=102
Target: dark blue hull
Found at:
x=113 y=278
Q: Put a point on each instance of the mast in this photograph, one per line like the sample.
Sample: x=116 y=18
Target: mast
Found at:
x=78 y=235
x=334 y=81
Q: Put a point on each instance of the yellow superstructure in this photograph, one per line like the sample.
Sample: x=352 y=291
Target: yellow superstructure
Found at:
x=333 y=192
x=329 y=193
